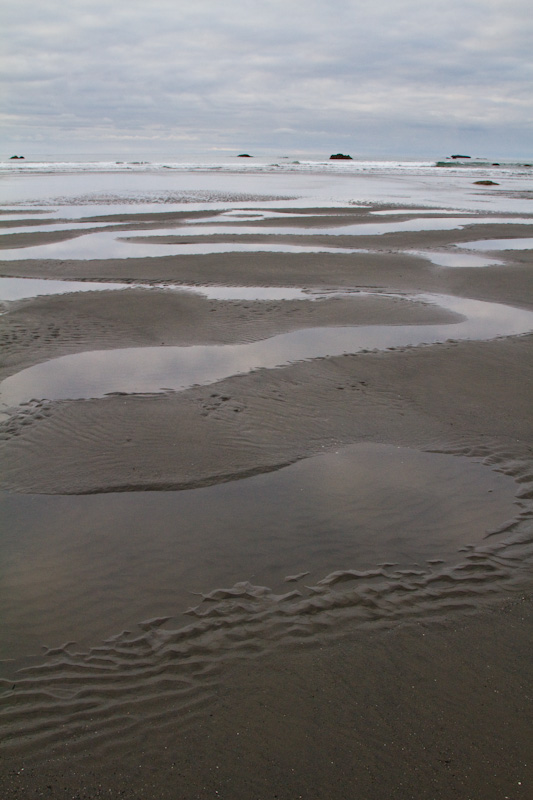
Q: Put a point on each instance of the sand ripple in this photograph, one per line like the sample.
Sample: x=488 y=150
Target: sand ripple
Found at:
x=166 y=671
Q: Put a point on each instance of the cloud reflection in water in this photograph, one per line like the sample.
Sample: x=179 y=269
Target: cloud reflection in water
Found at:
x=155 y=369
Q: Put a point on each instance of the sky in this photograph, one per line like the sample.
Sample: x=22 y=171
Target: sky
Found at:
x=366 y=77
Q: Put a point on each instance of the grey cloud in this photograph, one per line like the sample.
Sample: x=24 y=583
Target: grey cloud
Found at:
x=213 y=71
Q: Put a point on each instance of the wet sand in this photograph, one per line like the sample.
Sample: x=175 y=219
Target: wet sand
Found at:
x=427 y=711
x=376 y=683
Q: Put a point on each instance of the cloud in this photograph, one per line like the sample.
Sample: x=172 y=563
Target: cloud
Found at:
x=242 y=71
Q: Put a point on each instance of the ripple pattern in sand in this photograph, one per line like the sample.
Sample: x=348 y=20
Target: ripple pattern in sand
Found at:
x=165 y=671
x=165 y=675
x=134 y=370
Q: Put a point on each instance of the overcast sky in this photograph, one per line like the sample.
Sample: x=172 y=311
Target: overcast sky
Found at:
x=369 y=77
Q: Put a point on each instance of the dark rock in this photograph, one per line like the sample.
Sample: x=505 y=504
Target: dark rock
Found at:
x=244 y=155
x=12 y=157
x=486 y=183
x=460 y=156
x=340 y=156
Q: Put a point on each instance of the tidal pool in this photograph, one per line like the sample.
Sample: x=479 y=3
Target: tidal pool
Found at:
x=219 y=226
x=108 y=245
x=85 y=567
x=22 y=288
x=456 y=260
x=158 y=369
x=500 y=244
x=143 y=244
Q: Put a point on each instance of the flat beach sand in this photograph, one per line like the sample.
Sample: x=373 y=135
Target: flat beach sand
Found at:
x=193 y=606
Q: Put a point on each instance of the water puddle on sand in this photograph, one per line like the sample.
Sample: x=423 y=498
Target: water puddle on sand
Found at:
x=24 y=288
x=500 y=244
x=86 y=567
x=55 y=227
x=112 y=244
x=455 y=260
x=106 y=246
x=158 y=369
x=404 y=211
x=210 y=227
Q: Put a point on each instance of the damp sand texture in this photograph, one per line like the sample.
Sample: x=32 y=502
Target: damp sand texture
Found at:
x=305 y=577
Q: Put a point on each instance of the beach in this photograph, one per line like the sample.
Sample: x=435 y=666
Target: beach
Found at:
x=267 y=480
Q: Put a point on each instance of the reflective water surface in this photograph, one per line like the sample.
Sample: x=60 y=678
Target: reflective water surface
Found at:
x=460 y=260
x=113 y=244
x=156 y=369
x=85 y=567
x=500 y=244
x=21 y=288
x=109 y=245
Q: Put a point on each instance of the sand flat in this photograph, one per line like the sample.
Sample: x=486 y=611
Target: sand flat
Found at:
x=376 y=673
